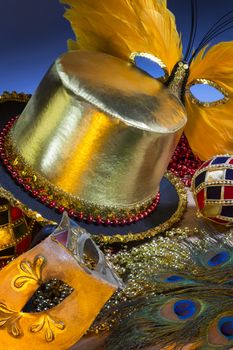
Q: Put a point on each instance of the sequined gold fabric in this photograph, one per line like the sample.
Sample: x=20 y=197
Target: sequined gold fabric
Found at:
x=100 y=130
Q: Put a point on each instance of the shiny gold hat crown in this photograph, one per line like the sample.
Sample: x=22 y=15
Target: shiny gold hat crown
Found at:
x=95 y=138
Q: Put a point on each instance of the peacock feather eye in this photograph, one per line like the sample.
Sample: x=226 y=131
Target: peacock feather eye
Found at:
x=174 y=279
x=150 y=65
x=219 y=259
x=185 y=309
x=170 y=278
x=221 y=331
x=180 y=309
x=225 y=326
x=216 y=258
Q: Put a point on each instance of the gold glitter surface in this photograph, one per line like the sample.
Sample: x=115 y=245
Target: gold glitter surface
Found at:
x=157 y=256
x=14 y=96
x=177 y=82
x=6 y=235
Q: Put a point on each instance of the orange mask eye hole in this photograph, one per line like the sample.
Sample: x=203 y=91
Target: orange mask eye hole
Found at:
x=48 y=295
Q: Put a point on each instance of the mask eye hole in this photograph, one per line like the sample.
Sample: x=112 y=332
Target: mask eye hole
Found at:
x=47 y=296
x=207 y=93
x=150 y=65
x=90 y=255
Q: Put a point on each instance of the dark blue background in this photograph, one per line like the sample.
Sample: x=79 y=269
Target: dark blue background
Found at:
x=33 y=33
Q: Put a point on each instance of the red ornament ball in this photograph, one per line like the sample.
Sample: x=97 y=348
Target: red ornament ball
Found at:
x=212 y=187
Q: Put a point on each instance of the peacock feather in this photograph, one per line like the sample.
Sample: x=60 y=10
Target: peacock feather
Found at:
x=188 y=304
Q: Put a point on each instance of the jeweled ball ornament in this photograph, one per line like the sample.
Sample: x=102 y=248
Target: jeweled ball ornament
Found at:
x=212 y=187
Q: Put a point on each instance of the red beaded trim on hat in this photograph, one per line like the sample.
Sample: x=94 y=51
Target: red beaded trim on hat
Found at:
x=132 y=216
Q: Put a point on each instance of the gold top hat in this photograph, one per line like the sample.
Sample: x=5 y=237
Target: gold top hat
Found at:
x=96 y=137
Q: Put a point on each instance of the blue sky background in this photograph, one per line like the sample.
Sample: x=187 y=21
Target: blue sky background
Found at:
x=34 y=33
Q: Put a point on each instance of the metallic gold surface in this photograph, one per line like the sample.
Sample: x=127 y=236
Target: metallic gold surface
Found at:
x=6 y=235
x=133 y=237
x=58 y=198
x=100 y=130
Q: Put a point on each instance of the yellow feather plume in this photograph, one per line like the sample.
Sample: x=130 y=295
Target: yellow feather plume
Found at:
x=210 y=129
x=120 y=27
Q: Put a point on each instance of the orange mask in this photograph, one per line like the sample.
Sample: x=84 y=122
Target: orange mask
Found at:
x=63 y=325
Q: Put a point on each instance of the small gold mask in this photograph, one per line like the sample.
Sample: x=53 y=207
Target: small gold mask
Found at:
x=64 y=324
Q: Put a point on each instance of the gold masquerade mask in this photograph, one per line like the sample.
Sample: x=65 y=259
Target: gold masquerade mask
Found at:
x=61 y=326
x=144 y=32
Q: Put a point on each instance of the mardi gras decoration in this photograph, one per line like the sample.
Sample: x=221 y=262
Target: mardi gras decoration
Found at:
x=18 y=226
x=71 y=257
x=167 y=211
x=73 y=144
x=178 y=295
x=144 y=32
x=213 y=189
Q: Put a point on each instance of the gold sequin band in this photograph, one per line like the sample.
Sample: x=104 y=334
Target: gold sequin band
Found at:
x=54 y=197
x=14 y=96
x=134 y=237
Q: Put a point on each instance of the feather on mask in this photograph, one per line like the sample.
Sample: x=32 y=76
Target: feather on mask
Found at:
x=134 y=29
